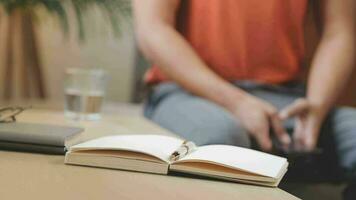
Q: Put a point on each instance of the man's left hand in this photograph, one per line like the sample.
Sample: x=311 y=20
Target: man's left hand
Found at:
x=308 y=120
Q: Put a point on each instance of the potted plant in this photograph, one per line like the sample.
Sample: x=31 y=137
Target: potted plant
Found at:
x=21 y=49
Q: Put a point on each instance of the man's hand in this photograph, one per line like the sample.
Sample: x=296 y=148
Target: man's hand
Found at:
x=258 y=117
x=307 y=124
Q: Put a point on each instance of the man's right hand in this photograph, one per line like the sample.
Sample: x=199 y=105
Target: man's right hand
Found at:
x=258 y=117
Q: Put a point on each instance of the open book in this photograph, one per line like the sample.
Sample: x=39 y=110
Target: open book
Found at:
x=163 y=154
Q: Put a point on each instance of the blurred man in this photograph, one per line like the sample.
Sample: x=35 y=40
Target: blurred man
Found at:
x=227 y=71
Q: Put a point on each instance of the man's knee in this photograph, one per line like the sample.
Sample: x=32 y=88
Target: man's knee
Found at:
x=344 y=125
x=200 y=121
x=204 y=132
x=346 y=144
x=228 y=132
x=216 y=132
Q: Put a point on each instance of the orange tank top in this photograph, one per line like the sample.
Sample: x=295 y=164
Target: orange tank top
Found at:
x=259 y=40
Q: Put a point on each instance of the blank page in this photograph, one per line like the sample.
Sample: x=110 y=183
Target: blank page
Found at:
x=240 y=158
x=156 y=145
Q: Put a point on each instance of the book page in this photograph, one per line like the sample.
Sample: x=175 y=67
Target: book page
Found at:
x=239 y=158
x=156 y=145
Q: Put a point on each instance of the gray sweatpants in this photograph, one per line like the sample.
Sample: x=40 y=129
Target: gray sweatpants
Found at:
x=204 y=122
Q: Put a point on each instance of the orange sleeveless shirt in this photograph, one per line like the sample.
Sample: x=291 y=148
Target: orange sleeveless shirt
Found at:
x=259 y=40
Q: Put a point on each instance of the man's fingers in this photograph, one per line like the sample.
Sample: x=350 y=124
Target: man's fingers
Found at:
x=297 y=107
x=262 y=136
x=298 y=135
x=264 y=141
x=311 y=133
x=279 y=130
x=309 y=143
x=305 y=135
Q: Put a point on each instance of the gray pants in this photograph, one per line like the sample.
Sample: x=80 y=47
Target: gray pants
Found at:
x=204 y=122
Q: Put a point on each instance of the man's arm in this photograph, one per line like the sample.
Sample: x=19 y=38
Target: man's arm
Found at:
x=161 y=43
x=334 y=60
x=330 y=71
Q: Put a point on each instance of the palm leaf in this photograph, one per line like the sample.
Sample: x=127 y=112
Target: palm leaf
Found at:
x=114 y=10
x=57 y=8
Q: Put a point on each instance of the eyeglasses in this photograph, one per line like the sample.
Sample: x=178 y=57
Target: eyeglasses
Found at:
x=8 y=114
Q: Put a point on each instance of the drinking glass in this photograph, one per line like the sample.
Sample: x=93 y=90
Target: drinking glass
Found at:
x=84 y=93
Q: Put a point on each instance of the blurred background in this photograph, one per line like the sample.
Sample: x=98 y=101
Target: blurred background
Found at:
x=35 y=49
x=34 y=45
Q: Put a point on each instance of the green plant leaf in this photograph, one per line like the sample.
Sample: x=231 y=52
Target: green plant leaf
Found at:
x=114 y=10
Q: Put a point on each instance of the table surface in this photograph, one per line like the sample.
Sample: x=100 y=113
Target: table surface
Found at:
x=37 y=176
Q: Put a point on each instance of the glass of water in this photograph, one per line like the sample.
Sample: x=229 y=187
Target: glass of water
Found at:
x=84 y=93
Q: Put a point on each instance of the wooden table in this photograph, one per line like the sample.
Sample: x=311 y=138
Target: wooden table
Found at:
x=36 y=176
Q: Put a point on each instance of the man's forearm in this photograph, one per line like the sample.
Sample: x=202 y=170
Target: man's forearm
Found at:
x=331 y=70
x=334 y=59
x=177 y=59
